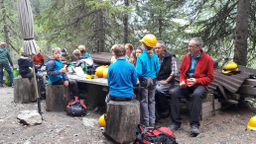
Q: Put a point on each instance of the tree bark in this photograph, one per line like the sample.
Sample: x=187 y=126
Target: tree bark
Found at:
x=126 y=19
x=100 y=31
x=160 y=25
x=240 y=52
x=5 y=30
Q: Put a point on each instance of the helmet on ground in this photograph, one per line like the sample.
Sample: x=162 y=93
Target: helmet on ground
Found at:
x=81 y=46
x=99 y=71
x=105 y=73
x=149 y=40
x=113 y=47
x=39 y=48
x=102 y=121
x=252 y=123
x=230 y=67
x=21 y=51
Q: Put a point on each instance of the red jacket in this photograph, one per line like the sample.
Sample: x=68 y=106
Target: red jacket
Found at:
x=204 y=73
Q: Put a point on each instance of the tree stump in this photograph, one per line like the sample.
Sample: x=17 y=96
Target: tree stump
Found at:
x=24 y=90
x=122 y=117
x=57 y=97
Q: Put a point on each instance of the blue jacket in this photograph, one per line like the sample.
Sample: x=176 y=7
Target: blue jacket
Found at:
x=53 y=70
x=24 y=64
x=147 y=67
x=87 y=55
x=121 y=78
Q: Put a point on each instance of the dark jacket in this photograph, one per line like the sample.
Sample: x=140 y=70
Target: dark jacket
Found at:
x=5 y=56
x=165 y=69
x=53 y=70
x=24 y=64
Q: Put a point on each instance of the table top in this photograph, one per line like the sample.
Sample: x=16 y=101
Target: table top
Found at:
x=97 y=81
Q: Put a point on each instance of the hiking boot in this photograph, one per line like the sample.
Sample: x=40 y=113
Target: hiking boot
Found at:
x=174 y=127
x=194 y=131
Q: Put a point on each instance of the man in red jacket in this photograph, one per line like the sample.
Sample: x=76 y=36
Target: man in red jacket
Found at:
x=196 y=72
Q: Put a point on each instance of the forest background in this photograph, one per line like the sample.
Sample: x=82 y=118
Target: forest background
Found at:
x=227 y=27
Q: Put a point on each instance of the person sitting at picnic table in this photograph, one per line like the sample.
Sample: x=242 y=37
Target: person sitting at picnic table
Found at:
x=65 y=57
x=57 y=73
x=121 y=78
x=82 y=49
x=38 y=59
x=4 y=58
x=196 y=72
x=86 y=58
x=26 y=71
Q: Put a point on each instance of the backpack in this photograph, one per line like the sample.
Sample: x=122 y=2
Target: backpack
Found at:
x=161 y=135
x=76 y=107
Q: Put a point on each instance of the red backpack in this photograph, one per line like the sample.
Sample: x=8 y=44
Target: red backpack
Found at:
x=76 y=107
x=161 y=135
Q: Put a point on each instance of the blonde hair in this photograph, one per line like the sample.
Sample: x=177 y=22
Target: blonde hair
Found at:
x=149 y=50
x=56 y=49
x=77 y=53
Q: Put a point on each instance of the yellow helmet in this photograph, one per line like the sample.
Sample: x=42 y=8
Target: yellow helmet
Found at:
x=21 y=51
x=81 y=46
x=230 y=67
x=102 y=121
x=39 y=48
x=105 y=73
x=112 y=48
x=99 y=71
x=149 y=40
x=252 y=123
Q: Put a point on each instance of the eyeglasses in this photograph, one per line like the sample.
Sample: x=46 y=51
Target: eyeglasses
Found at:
x=157 y=47
x=190 y=46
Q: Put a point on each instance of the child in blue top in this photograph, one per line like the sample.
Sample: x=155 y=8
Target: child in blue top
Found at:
x=25 y=70
x=57 y=74
x=147 y=67
x=121 y=78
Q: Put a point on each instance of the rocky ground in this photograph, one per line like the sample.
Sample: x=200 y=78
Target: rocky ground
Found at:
x=228 y=126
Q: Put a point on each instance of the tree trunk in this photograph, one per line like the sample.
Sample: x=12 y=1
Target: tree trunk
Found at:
x=160 y=25
x=240 y=53
x=5 y=30
x=126 y=18
x=100 y=31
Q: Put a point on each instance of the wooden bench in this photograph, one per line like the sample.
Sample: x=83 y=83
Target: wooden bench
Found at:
x=210 y=105
x=57 y=97
x=24 y=90
x=122 y=117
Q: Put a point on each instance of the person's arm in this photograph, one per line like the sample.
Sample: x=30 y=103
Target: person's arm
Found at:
x=65 y=77
x=139 y=67
x=209 y=75
x=50 y=69
x=9 y=58
x=42 y=63
x=134 y=76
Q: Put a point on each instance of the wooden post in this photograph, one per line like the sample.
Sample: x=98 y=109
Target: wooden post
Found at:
x=57 y=97
x=24 y=90
x=122 y=117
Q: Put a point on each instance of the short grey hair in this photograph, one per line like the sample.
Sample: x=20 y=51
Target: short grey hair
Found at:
x=3 y=44
x=161 y=42
x=198 y=40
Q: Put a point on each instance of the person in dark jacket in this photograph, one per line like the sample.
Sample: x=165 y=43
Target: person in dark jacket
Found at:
x=4 y=58
x=25 y=70
x=57 y=74
x=165 y=78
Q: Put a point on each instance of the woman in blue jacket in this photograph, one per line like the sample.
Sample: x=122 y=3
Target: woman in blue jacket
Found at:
x=147 y=67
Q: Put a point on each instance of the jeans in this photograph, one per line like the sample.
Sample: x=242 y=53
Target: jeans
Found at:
x=162 y=103
x=147 y=100
x=8 y=69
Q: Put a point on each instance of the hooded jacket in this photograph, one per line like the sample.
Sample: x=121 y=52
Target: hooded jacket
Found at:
x=24 y=64
x=53 y=70
x=5 y=56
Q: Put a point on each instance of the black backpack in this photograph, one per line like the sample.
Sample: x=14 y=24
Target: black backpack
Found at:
x=76 y=107
x=161 y=135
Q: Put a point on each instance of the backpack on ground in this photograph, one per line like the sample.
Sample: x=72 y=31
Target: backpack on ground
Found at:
x=76 y=107
x=161 y=135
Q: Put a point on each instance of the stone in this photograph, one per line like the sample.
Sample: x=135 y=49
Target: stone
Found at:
x=29 y=117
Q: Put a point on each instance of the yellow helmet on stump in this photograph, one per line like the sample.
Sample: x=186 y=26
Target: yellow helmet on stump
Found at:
x=102 y=121
x=149 y=40
x=230 y=67
x=252 y=123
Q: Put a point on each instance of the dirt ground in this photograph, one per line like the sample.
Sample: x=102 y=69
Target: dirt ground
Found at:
x=229 y=126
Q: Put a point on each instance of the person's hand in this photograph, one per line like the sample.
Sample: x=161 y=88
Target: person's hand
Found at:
x=63 y=70
x=163 y=82
x=13 y=67
x=66 y=83
x=183 y=84
x=191 y=82
x=38 y=66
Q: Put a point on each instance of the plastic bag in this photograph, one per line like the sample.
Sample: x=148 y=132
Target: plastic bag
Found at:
x=7 y=79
